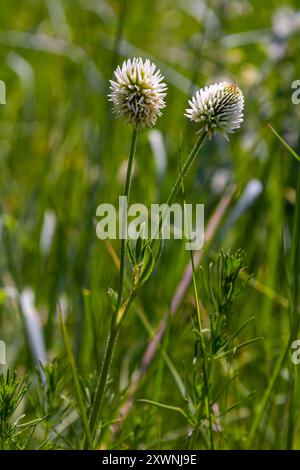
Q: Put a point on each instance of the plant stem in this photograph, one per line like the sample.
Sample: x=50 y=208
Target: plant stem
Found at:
x=205 y=374
x=186 y=167
x=103 y=377
x=204 y=365
x=123 y=240
x=203 y=357
x=114 y=327
x=184 y=171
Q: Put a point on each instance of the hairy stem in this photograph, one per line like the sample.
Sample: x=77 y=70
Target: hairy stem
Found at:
x=114 y=327
x=123 y=240
x=102 y=381
x=184 y=171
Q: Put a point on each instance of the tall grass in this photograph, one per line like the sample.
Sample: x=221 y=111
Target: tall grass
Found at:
x=172 y=383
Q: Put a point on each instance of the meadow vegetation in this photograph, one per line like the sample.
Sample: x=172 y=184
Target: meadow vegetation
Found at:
x=201 y=342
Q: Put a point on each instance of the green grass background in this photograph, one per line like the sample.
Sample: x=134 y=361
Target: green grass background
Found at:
x=61 y=152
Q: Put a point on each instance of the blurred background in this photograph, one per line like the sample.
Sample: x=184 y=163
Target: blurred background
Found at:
x=62 y=154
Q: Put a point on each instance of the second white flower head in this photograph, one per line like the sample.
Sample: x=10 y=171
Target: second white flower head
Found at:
x=217 y=108
x=138 y=92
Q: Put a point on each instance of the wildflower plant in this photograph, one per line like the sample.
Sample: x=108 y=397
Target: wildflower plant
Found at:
x=49 y=398
x=217 y=108
x=138 y=97
x=206 y=406
x=133 y=316
x=222 y=292
x=14 y=433
x=137 y=94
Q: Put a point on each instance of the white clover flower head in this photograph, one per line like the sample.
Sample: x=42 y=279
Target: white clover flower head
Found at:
x=217 y=108
x=138 y=92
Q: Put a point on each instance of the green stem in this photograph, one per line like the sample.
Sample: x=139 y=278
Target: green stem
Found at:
x=123 y=240
x=203 y=357
x=103 y=377
x=186 y=167
x=202 y=346
x=114 y=327
x=184 y=171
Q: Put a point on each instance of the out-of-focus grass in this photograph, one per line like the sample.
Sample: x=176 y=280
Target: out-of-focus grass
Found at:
x=62 y=154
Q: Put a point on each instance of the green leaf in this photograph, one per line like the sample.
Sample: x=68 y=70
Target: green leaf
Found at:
x=167 y=407
x=284 y=143
x=130 y=253
x=242 y=327
x=239 y=346
x=147 y=266
x=138 y=250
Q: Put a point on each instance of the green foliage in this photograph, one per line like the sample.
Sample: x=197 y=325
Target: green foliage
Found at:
x=214 y=351
x=12 y=392
x=228 y=286
x=62 y=154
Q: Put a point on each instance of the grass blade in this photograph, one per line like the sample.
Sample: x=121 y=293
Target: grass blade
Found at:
x=284 y=143
x=78 y=391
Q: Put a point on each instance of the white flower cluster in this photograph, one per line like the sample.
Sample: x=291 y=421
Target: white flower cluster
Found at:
x=138 y=96
x=138 y=92
x=217 y=108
